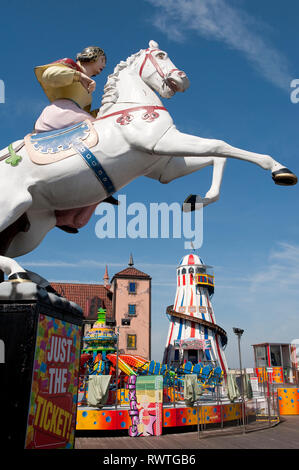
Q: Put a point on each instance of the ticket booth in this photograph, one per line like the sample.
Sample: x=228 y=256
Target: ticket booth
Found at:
x=274 y=362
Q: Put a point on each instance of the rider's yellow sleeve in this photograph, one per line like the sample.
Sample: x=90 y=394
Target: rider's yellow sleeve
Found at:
x=57 y=76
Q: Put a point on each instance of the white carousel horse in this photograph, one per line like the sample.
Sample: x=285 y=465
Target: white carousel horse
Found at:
x=136 y=136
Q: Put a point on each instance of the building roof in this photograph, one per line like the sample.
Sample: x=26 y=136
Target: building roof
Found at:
x=271 y=344
x=90 y=297
x=131 y=273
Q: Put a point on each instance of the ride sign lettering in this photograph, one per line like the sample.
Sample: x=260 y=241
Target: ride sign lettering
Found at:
x=51 y=422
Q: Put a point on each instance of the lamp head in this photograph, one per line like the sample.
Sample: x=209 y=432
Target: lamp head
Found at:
x=238 y=331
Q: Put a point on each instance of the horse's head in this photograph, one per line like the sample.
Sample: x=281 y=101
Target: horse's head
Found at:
x=160 y=74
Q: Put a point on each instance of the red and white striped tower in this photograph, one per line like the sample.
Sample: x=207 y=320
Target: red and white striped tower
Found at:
x=193 y=333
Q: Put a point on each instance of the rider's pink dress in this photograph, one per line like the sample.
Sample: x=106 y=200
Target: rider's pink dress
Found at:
x=60 y=113
x=63 y=113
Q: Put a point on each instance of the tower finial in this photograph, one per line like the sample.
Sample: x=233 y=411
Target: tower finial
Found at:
x=131 y=262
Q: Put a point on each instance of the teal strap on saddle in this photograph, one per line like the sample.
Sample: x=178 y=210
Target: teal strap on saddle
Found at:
x=72 y=137
x=13 y=159
x=95 y=165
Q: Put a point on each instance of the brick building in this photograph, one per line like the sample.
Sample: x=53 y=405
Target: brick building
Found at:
x=127 y=296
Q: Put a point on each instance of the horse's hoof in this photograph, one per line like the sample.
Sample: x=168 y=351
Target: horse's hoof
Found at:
x=190 y=203
x=190 y=200
x=284 y=177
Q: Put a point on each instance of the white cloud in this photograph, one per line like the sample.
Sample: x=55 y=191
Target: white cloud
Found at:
x=266 y=306
x=22 y=106
x=281 y=272
x=86 y=263
x=215 y=19
x=89 y=263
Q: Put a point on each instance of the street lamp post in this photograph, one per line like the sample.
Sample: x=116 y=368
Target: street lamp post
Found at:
x=116 y=367
x=239 y=332
x=125 y=322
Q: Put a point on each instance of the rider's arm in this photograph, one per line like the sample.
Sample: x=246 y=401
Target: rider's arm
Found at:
x=58 y=76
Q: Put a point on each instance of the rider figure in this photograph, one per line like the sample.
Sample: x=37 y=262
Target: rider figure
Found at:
x=69 y=85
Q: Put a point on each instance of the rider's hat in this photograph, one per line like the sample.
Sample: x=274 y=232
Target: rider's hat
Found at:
x=90 y=54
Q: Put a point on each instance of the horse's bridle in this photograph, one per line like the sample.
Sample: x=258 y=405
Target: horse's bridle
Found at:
x=149 y=55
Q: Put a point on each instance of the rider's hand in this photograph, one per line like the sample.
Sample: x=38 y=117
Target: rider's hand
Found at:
x=87 y=82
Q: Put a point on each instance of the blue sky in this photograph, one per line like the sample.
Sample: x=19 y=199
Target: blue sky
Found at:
x=240 y=57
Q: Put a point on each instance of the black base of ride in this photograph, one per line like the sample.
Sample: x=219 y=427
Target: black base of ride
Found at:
x=24 y=306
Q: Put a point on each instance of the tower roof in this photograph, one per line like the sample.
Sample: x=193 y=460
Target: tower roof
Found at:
x=106 y=275
x=191 y=259
x=131 y=262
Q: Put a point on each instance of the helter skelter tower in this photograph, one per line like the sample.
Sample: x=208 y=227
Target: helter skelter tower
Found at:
x=193 y=333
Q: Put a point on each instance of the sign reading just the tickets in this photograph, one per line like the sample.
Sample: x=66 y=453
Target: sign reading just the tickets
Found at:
x=52 y=411
x=192 y=343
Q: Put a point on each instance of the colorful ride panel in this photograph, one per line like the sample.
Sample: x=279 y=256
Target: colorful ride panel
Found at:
x=112 y=419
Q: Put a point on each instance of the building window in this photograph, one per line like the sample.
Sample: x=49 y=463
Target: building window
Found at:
x=176 y=355
x=261 y=356
x=132 y=309
x=191 y=270
x=132 y=287
x=132 y=341
x=275 y=356
x=183 y=271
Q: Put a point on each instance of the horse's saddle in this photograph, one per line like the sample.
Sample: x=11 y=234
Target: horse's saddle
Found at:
x=50 y=147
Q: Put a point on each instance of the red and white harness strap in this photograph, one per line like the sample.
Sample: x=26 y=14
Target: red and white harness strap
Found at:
x=149 y=55
x=125 y=116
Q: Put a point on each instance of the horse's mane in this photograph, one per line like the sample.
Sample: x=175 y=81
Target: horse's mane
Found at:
x=110 y=95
